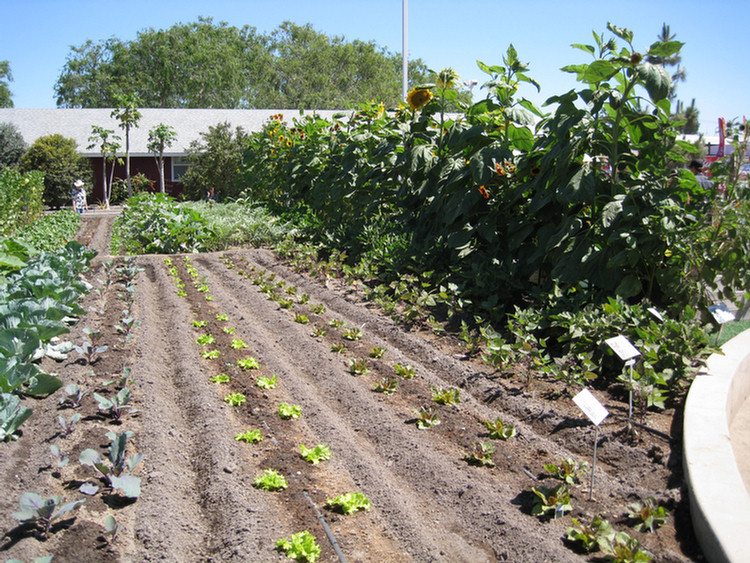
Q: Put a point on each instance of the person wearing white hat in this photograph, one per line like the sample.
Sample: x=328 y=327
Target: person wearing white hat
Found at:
x=79 y=197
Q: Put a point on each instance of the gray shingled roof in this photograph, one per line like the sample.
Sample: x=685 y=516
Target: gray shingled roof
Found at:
x=188 y=123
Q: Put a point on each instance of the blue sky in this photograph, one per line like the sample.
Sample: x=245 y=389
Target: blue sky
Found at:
x=36 y=36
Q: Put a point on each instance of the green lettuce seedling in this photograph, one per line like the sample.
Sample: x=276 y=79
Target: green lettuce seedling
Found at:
x=407 y=371
x=358 y=367
x=199 y=324
x=443 y=396
x=248 y=363
x=205 y=339
x=249 y=436
x=352 y=334
x=592 y=536
x=387 y=386
x=300 y=547
x=228 y=329
x=222 y=317
x=210 y=354
x=553 y=501
x=301 y=318
x=235 y=399
x=266 y=382
x=349 y=503
x=315 y=455
x=287 y=411
x=623 y=548
x=238 y=344
x=426 y=418
x=648 y=514
x=377 y=352
x=481 y=454
x=42 y=512
x=568 y=471
x=220 y=378
x=271 y=480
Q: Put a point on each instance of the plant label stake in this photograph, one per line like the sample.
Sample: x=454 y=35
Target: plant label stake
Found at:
x=626 y=352
x=722 y=315
x=596 y=412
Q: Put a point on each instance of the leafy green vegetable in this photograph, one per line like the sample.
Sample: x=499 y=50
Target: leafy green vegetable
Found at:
x=349 y=503
x=287 y=411
x=592 y=536
x=220 y=378
x=12 y=415
x=205 y=339
x=238 y=344
x=315 y=455
x=499 y=430
x=387 y=386
x=443 y=396
x=118 y=472
x=235 y=399
x=407 y=371
x=648 y=514
x=267 y=382
x=481 y=454
x=300 y=547
x=568 y=471
x=43 y=511
x=271 y=480
x=249 y=436
x=248 y=363
x=426 y=418
x=551 y=500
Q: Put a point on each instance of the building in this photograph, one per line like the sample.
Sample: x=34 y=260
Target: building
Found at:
x=187 y=123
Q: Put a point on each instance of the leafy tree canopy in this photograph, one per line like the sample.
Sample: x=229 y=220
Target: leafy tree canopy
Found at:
x=12 y=145
x=5 y=78
x=208 y=65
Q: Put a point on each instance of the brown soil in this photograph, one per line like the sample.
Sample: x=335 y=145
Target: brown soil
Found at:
x=198 y=502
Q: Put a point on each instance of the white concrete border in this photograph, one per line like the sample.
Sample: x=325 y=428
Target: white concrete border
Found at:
x=719 y=501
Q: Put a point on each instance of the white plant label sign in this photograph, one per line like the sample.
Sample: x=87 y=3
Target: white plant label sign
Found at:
x=591 y=407
x=721 y=313
x=622 y=347
x=656 y=313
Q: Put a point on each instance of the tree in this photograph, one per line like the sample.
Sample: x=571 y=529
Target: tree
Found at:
x=313 y=71
x=108 y=144
x=215 y=161
x=126 y=112
x=58 y=158
x=159 y=138
x=207 y=65
x=12 y=145
x=5 y=79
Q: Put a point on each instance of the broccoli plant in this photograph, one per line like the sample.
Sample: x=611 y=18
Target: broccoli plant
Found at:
x=349 y=503
x=116 y=470
x=300 y=547
x=42 y=512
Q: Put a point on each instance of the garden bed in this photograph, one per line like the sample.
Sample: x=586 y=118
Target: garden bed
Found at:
x=198 y=502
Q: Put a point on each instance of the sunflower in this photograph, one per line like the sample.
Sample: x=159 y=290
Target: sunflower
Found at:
x=447 y=78
x=418 y=97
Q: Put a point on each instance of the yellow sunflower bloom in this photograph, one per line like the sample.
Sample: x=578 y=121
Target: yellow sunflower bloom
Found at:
x=418 y=97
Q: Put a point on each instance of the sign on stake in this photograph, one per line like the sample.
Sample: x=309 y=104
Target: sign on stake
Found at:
x=596 y=413
x=722 y=315
x=627 y=353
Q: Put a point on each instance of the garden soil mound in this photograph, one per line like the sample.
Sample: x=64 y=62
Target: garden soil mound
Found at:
x=428 y=503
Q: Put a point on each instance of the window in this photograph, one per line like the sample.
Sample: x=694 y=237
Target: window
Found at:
x=180 y=164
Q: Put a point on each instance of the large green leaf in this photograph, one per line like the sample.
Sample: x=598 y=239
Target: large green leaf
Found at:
x=599 y=71
x=655 y=79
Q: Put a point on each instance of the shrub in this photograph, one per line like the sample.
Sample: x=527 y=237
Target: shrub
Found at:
x=58 y=158
x=12 y=145
x=20 y=199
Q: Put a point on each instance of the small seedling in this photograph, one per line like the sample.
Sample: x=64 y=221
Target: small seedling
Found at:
x=623 y=548
x=318 y=309
x=42 y=512
x=301 y=319
x=220 y=378
x=67 y=425
x=304 y=298
x=238 y=344
x=357 y=367
x=318 y=332
x=199 y=324
x=60 y=457
x=648 y=515
x=111 y=528
x=267 y=382
x=285 y=303
x=592 y=536
x=210 y=354
x=228 y=329
x=481 y=454
x=235 y=399
x=12 y=415
x=249 y=436
x=338 y=348
x=499 y=430
x=73 y=396
x=115 y=406
x=205 y=339
x=336 y=323
x=568 y=471
x=387 y=386
x=271 y=480
x=287 y=411
x=405 y=371
x=551 y=501
x=349 y=503
x=315 y=455
x=90 y=348
x=248 y=363
x=426 y=418
x=300 y=547
x=118 y=473
x=443 y=396
x=222 y=317
x=377 y=352
x=352 y=334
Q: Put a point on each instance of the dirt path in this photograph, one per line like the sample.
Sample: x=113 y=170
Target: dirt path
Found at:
x=198 y=503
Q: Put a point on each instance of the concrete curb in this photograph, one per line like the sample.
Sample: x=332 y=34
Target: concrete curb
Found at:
x=719 y=501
